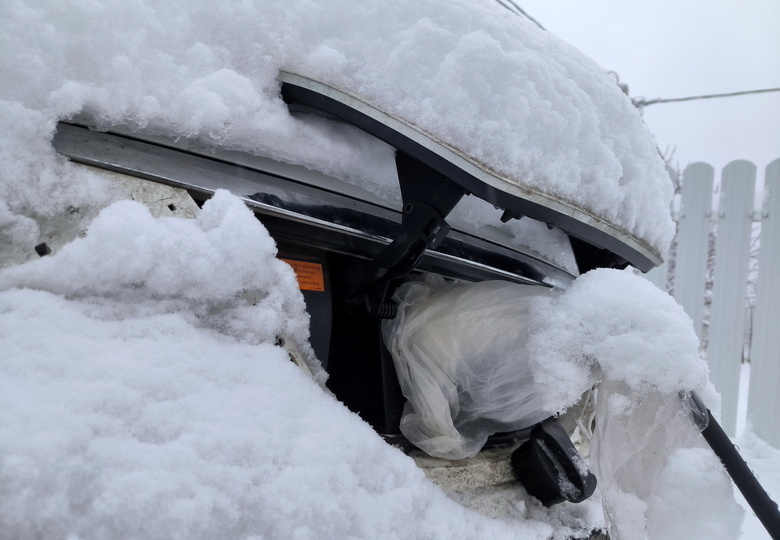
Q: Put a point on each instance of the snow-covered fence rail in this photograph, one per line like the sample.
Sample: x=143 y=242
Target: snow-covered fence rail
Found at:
x=725 y=264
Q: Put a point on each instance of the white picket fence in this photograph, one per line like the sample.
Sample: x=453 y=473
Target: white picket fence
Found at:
x=731 y=214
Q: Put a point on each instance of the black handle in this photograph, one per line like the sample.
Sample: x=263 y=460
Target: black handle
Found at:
x=755 y=495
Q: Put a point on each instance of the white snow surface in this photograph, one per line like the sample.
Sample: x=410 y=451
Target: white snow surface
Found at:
x=219 y=268
x=469 y=72
x=141 y=393
x=615 y=326
x=153 y=428
x=141 y=396
x=694 y=478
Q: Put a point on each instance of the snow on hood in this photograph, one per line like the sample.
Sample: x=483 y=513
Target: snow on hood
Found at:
x=468 y=72
x=142 y=396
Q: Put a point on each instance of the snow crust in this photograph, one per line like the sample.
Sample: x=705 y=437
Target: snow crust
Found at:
x=471 y=73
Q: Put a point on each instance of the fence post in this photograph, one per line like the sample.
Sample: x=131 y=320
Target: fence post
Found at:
x=729 y=289
x=764 y=401
x=693 y=231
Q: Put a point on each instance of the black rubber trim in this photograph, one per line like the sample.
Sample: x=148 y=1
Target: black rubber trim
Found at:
x=595 y=248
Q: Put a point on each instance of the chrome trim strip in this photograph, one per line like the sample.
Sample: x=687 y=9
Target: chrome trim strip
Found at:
x=198 y=173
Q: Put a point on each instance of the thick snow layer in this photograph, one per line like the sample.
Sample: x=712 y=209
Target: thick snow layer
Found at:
x=142 y=396
x=618 y=329
x=141 y=393
x=151 y=427
x=616 y=326
x=470 y=73
x=131 y=264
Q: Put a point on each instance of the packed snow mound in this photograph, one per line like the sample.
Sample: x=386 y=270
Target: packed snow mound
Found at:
x=470 y=73
x=614 y=325
x=154 y=428
x=131 y=264
x=657 y=478
x=142 y=396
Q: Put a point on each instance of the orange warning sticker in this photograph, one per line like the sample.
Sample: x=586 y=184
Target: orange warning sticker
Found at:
x=309 y=274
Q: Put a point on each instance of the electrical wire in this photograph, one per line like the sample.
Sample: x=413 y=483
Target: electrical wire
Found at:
x=639 y=102
x=517 y=10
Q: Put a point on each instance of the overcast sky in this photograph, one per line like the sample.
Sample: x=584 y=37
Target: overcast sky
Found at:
x=672 y=48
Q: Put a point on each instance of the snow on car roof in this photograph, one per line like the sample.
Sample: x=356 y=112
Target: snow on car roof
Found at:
x=470 y=73
x=509 y=96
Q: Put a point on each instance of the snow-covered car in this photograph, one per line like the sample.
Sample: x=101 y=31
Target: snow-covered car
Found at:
x=351 y=249
x=449 y=151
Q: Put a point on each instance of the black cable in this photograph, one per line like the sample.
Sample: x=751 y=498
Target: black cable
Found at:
x=517 y=10
x=755 y=495
x=644 y=103
x=759 y=500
